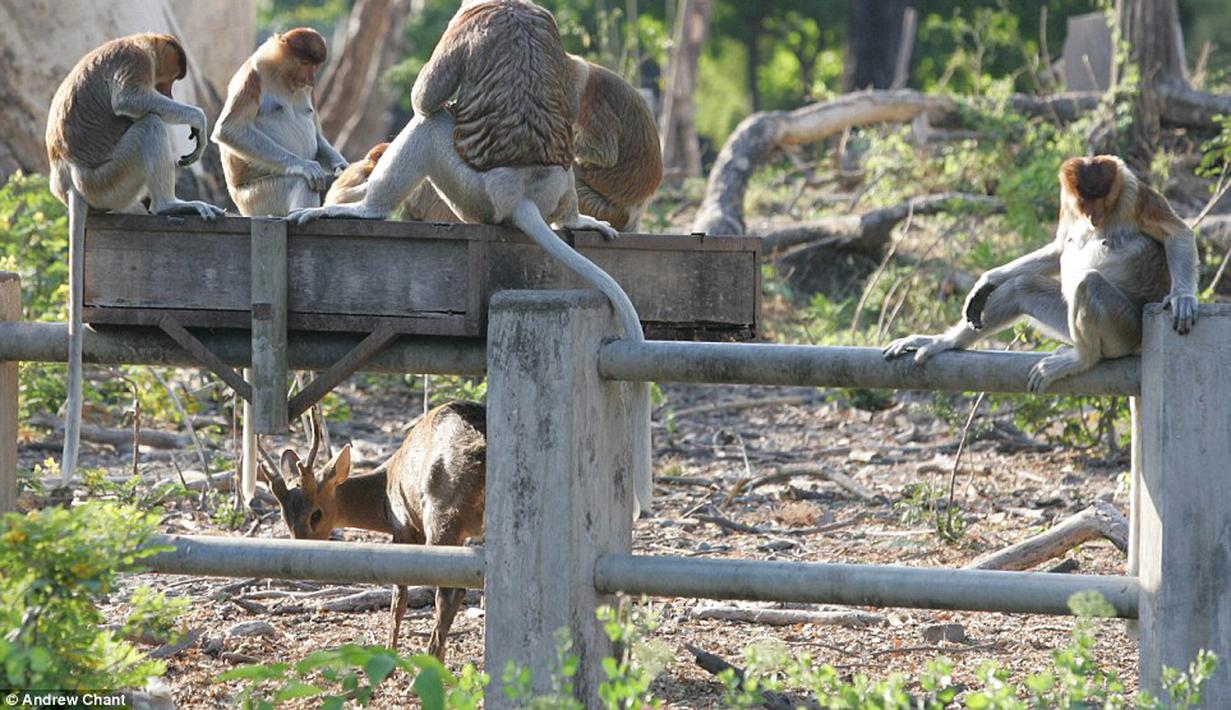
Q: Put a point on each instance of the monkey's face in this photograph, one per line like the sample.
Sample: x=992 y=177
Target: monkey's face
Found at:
x=304 y=74
x=1094 y=209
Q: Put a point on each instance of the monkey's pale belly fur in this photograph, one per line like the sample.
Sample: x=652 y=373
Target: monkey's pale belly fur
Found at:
x=1129 y=260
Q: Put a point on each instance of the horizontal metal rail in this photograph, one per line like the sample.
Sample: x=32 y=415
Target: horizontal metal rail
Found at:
x=859 y=585
x=323 y=561
x=126 y=345
x=659 y=361
x=817 y=366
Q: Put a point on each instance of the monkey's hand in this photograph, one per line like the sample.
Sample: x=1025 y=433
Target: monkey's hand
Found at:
x=311 y=171
x=976 y=300
x=1183 y=307
x=196 y=132
x=338 y=166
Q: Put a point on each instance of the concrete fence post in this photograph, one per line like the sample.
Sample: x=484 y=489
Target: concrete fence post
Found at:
x=559 y=483
x=10 y=310
x=1184 y=552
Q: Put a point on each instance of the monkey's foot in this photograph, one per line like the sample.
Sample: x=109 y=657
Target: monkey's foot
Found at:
x=311 y=214
x=204 y=210
x=598 y=225
x=1056 y=366
x=923 y=346
x=975 y=303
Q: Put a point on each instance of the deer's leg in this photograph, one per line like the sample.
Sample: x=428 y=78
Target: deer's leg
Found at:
x=396 y=612
x=448 y=601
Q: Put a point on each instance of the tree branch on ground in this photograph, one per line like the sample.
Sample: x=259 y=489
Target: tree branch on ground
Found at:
x=757 y=137
x=870 y=232
x=1100 y=520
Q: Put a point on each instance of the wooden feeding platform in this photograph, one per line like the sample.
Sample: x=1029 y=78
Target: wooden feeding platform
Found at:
x=384 y=279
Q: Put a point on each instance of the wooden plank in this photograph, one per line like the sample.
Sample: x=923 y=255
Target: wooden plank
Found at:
x=419 y=278
x=688 y=287
x=1185 y=514
x=559 y=456
x=269 y=306
x=10 y=310
x=420 y=324
x=329 y=275
x=205 y=356
x=340 y=370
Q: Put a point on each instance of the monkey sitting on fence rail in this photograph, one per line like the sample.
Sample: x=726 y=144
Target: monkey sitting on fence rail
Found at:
x=1118 y=246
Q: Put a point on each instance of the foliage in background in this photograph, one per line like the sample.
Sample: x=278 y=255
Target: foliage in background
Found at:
x=1076 y=679
x=355 y=673
x=58 y=566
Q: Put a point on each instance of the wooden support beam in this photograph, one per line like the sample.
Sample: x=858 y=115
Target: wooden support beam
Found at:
x=269 y=369
x=559 y=486
x=340 y=370
x=1184 y=552
x=203 y=355
x=10 y=310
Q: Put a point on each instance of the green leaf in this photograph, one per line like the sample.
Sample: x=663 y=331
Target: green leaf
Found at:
x=295 y=689
x=429 y=689
x=379 y=666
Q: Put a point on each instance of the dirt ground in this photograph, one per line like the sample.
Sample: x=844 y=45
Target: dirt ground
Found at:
x=707 y=439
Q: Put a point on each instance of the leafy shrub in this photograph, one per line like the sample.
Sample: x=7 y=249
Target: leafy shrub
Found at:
x=58 y=565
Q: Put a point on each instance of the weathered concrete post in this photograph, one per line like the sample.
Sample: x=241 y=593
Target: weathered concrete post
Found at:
x=559 y=487
x=1185 y=512
x=10 y=310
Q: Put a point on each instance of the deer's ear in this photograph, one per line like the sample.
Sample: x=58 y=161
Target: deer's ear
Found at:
x=272 y=479
x=290 y=463
x=339 y=467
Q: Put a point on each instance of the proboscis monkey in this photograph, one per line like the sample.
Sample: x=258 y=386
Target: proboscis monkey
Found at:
x=619 y=161
x=273 y=152
x=494 y=111
x=1118 y=246
x=424 y=204
x=107 y=134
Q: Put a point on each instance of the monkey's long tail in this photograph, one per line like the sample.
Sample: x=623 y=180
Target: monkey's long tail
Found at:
x=527 y=218
x=76 y=284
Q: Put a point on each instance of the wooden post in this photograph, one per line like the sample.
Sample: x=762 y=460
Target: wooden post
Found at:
x=10 y=310
x=269 y=368
x=559 y=488
x=1184 y=553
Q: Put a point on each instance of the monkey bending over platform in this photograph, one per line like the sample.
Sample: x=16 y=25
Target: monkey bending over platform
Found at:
x=107 y=132
x=501 y=152
x=1118 y=246
x=273 y=152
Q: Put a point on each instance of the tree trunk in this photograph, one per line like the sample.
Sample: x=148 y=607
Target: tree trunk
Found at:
x=874 y=35
x=681 y=154
x=353 y=105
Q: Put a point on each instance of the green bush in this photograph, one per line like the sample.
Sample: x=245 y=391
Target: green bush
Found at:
x=1076 y=680
x=56 y=567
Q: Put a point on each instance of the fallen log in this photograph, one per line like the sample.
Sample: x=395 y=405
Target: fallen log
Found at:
x=809 y=470
x=1100 y=520
x=788 y=617
x=871 y=231
x=119 y=438
x=759 y=135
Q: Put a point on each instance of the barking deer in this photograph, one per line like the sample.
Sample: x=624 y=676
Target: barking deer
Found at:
x=430 y=491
